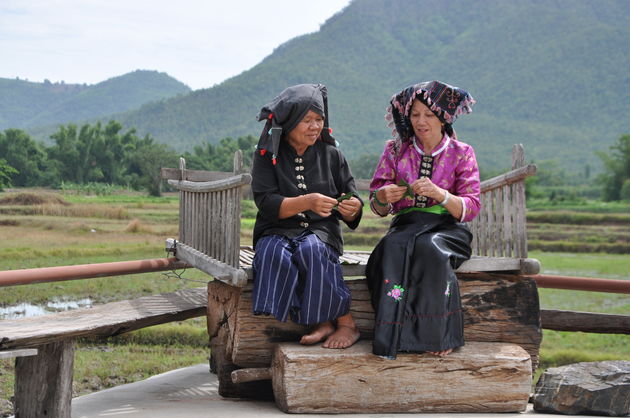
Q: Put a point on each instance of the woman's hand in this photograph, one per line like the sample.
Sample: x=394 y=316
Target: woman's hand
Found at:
x=349 y=208
x=321 y=204
x=390 y=193
x=425 y=187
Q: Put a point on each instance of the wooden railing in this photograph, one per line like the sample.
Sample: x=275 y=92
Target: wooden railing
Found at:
x=500 y=228
x=209 y=218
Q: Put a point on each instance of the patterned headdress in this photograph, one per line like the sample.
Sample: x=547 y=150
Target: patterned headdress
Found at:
x=445 y=101
x=285 y=111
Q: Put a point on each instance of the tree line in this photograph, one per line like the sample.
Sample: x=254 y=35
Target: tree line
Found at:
x=104 y=154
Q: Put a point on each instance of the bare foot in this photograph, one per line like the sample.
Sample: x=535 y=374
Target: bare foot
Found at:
x=323 y=330
x=344 y=337
x=346 y=334
x=442 y=353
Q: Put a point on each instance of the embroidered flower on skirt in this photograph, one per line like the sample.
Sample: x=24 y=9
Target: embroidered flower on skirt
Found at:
x=396 y=293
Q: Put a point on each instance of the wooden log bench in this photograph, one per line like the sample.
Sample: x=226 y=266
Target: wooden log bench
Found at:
x=500 y=303
x=44 y=345
x=478 y=377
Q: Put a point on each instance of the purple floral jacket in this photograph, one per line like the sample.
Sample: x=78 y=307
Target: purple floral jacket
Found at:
x=454 y=169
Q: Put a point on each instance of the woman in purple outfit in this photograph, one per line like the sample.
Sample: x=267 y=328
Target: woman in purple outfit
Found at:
x=429 y=181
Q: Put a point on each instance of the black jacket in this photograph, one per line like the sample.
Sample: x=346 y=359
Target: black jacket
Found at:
x=324 y=170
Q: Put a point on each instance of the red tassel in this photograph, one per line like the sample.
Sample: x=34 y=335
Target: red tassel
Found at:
x=330 y=131
x=263 y=151
x=273 y=160
x=270 y=116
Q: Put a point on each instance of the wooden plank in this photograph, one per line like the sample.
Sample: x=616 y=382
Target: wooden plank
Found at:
x=237 y=162
x=478 y=377
x=585 y=322
x=236 y=226
x=353 y=263
x=206 y=223
x=518 y=161
x=497 y=308
x=519 y=221
x=103 y=320
x=210 y=186
x=516 y=175
x=18 y=353
x=43 y=383
x=251 y=375
x=214 y=225
x=194 y=175
x=491 y=225
x=215 y=268
x=508 y=240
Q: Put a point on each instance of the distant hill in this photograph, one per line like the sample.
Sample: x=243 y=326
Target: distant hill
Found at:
x=26 y=104
x=551 y=74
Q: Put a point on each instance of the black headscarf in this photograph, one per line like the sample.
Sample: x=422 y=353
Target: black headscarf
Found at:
x=284 y=112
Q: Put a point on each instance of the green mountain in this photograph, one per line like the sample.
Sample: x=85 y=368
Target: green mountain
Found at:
x=28 y=104
x=551 y=74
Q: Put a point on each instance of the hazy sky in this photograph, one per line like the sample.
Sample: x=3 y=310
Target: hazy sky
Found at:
x=199 y=42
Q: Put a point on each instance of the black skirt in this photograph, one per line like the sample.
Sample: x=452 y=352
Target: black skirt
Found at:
x=414 y=289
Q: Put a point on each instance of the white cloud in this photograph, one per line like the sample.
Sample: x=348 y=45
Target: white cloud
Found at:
x=201 y=43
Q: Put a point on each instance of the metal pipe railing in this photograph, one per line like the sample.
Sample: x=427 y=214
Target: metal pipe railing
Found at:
x=582 y=283
x=119 y=268
x=87 y=271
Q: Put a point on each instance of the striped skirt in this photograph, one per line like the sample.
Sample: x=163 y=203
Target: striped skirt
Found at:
x=300 y=277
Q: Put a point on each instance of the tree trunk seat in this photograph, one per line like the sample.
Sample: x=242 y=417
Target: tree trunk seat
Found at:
x=478 y=377
x=498 y=308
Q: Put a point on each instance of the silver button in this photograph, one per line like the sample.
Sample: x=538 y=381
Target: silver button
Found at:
x=299 y=177
x=304 y=224
x=301 y=214
x=298 y=160
x=299 y=168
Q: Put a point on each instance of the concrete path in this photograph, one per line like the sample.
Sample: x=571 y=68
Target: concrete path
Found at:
x=193 y=392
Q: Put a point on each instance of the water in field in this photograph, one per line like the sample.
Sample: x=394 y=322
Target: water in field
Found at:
x=27 y=309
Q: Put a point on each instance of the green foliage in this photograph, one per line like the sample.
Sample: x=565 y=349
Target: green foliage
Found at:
x=26 y=156
x=373 y=48
x=6 y=172
x=220 y=157
x=533 y=86
x=89 y=189
x=91 y=157
x=617 y=170
x=145 y=162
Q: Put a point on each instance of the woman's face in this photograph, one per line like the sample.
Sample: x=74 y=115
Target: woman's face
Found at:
x=306 y=132
x=426 y=125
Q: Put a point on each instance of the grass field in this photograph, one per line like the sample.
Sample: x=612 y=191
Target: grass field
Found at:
x=67 y=229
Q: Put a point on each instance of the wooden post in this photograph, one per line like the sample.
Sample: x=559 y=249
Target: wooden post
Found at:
x=43 y=383
x=518 y=161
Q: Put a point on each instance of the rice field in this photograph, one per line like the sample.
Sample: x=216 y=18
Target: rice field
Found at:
x=40 y=229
